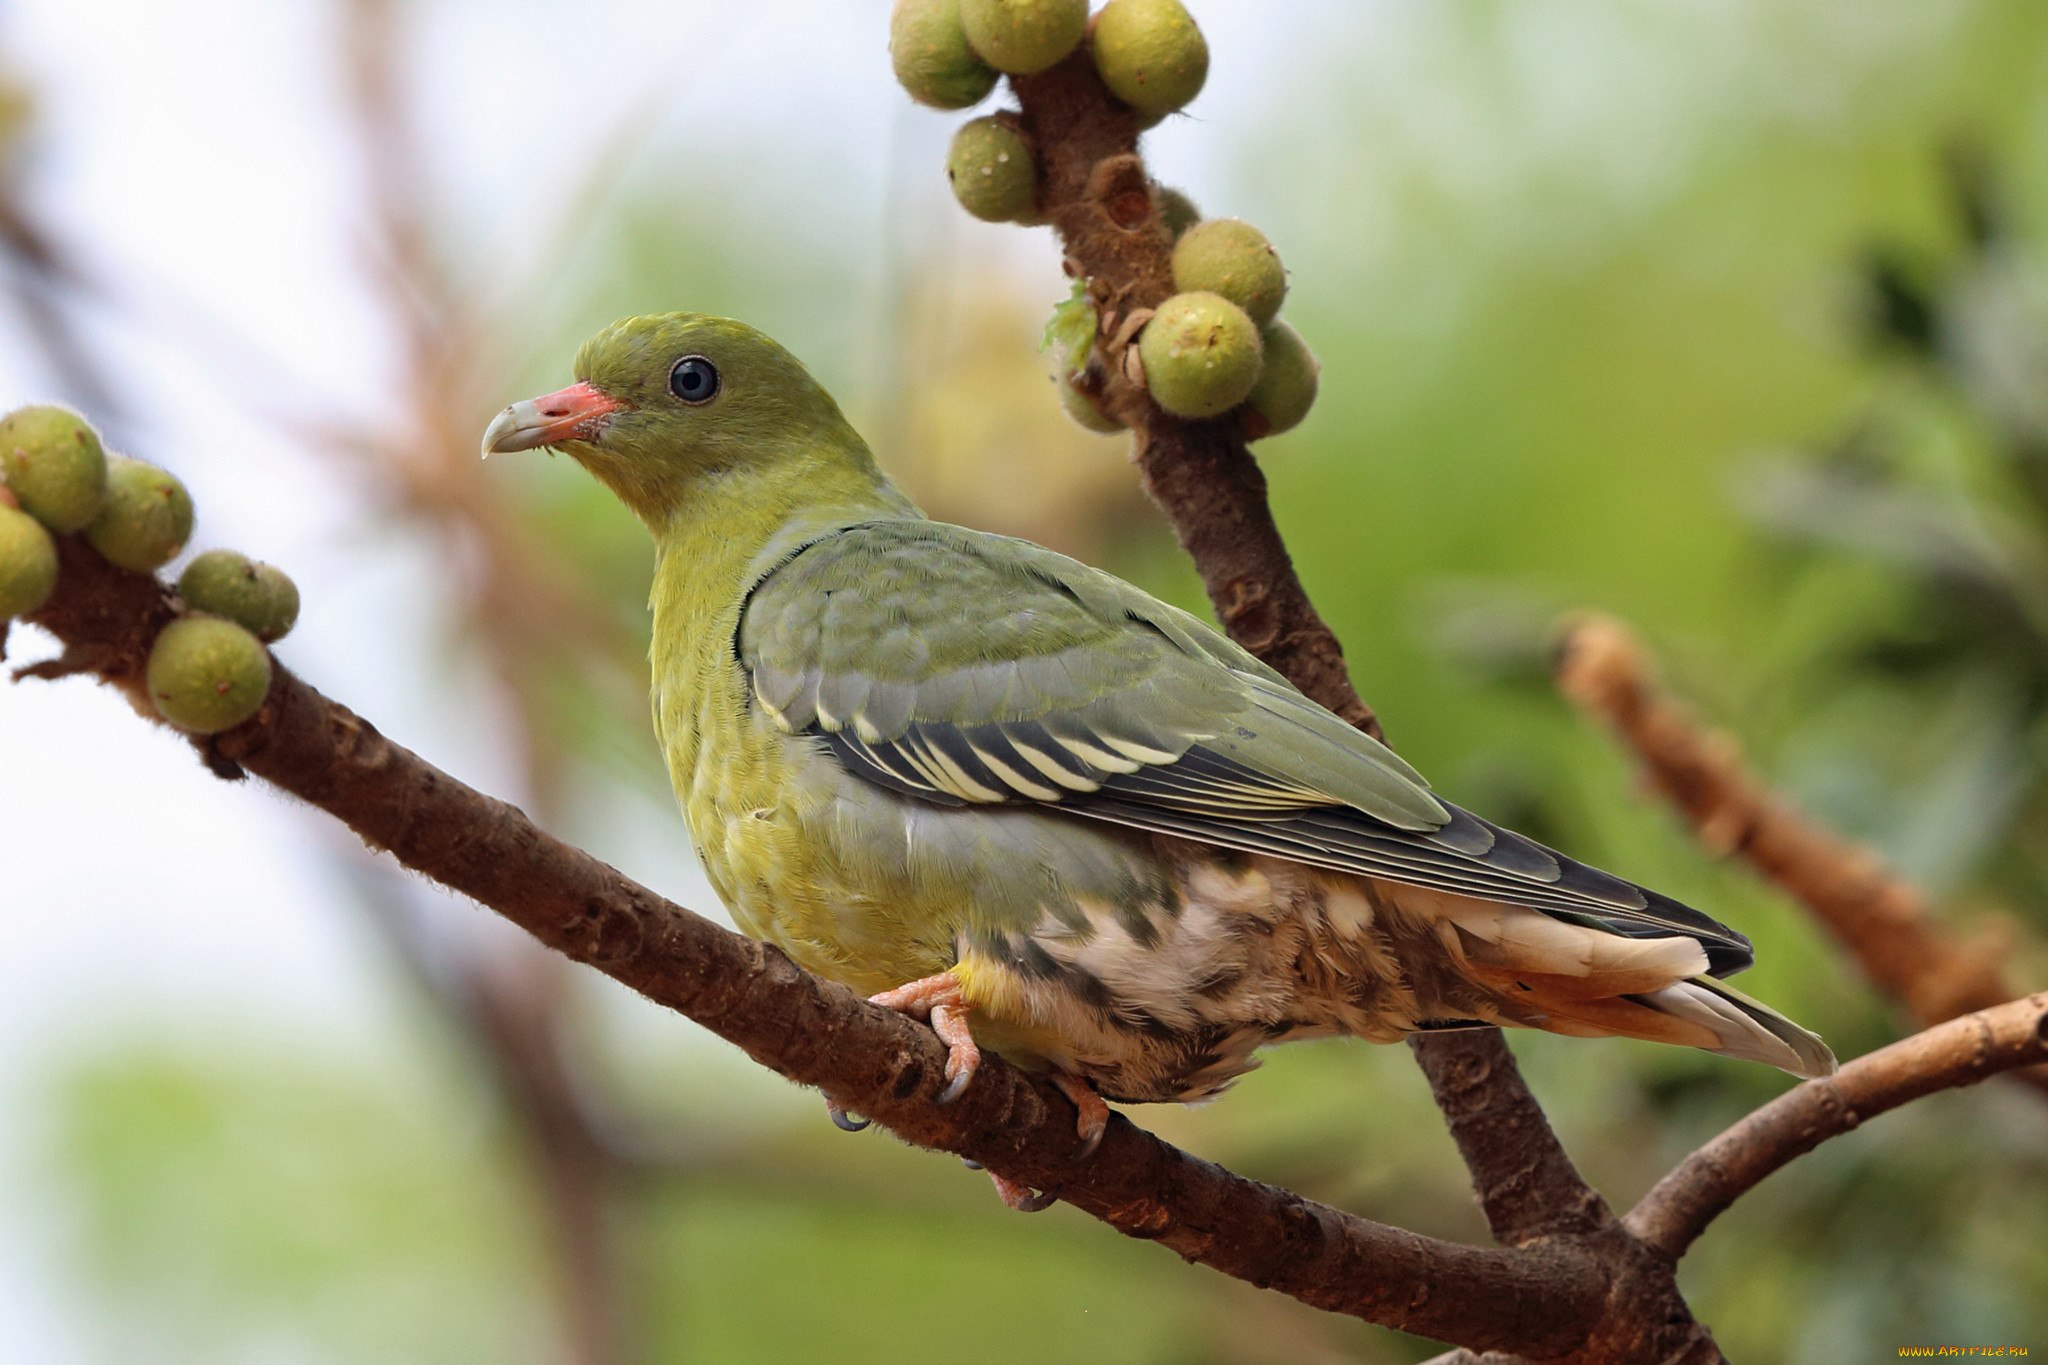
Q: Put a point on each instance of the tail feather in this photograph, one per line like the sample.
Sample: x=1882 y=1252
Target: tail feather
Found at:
x=1588 y=982
x=1697 y=1012
x=1746 y=1028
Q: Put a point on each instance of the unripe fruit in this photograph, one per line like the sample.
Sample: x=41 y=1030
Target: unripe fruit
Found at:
x=146 y=519
x=51 y=458
x=1287 y=384
x=28 y=563
x=1083 y=409
x=257 y=597
x=206 y=674
x=1150 y=54
x=1229 y=256
x=933 y=62
x=991 y=171
x=1177 y=212
x=1023 y=36
x=1201 y=355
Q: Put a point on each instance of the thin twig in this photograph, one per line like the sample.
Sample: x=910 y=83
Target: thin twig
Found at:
x=1882 y=919
x=1960 y=1052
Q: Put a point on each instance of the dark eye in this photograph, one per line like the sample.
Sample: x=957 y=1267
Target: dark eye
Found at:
x=694 y=379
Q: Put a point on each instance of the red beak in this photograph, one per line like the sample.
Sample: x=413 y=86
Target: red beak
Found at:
x=577 y=413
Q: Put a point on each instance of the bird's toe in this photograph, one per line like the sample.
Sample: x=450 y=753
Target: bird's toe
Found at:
x=1093 y=1109
x=1021 y=1197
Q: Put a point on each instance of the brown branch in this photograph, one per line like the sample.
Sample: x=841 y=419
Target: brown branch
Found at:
x=816 y=1033
x=1532 y=1190
x=1094 y=190
x=1664 y=1224
x=1882 y=919
x=1960 y=1052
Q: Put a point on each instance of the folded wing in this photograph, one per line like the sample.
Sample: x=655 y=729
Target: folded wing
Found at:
x=957 y=667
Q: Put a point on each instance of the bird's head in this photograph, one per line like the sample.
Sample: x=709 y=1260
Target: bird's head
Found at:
x=666 y=403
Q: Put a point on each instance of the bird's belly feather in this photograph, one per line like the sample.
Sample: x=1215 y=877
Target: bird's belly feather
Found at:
x=1251 y=951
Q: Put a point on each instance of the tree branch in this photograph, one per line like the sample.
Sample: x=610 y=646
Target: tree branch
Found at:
x=1876 y=914
x=869 y=1059
x=1527 y=1186
x=1094 y=190
x=1960 y=1052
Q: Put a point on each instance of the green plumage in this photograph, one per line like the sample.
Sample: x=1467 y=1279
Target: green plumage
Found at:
x=905 y=748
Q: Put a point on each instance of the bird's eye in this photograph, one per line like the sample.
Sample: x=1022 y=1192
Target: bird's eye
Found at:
x=694 y=379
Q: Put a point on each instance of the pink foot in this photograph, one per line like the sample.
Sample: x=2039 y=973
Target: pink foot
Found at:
x=938 y=999
x=1094 y=1121
x=1022 y=1198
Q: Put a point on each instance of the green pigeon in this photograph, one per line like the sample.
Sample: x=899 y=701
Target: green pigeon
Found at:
x=1014 y=795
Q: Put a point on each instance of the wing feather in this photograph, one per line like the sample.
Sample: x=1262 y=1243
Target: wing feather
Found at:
x=960 y=668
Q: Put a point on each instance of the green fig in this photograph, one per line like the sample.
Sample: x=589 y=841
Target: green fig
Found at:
x=51 y=458
x=206 y=674
x=257 y=597
x=929 y=50
x=1287 y=383
x=992 y=172
x=146 y=518
x=1083 y=409
x=1150 y=54
x=1200 y=353
x=28 y=563
x=1023 y=36
x=1229 y=256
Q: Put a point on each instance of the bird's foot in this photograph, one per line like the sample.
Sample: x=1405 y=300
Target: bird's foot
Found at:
x=1094 y=1121
x=938 y=999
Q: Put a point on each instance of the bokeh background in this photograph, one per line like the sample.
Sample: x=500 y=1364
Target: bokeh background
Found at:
x=1730 y=318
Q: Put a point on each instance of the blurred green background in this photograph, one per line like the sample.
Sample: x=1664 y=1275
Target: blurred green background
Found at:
x=1730 y=319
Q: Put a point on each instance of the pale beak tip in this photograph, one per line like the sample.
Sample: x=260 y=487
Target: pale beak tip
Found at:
x=577 y=413
x=502 y=434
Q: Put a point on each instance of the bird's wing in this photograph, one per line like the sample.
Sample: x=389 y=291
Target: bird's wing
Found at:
x=959 y=667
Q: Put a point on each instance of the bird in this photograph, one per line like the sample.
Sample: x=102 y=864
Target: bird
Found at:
x=1057 y=818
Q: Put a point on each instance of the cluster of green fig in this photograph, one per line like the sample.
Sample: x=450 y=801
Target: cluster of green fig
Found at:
x=207 y=670
x=1218 y=344
x=950 y=53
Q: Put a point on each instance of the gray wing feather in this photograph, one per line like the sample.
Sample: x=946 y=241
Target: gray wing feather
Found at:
x=1076 y=691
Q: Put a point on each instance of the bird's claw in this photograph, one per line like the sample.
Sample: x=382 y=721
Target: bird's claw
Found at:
x=1094 y=1111
x=938 y=999
x=842 y=1120
x=1020 y=1197
x=957 y=1088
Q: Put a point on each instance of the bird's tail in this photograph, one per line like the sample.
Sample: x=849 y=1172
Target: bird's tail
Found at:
x=1582 y=981
x=1744 y=1027
x=1696 y=1012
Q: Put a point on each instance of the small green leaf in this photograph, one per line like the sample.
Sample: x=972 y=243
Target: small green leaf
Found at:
x=1071 y=330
